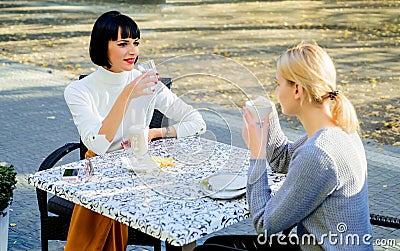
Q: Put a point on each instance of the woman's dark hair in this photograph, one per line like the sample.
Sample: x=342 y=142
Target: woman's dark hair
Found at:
x=106 y=29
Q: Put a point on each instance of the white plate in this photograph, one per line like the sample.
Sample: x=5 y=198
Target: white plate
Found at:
x=227 y=181
x=235 y=183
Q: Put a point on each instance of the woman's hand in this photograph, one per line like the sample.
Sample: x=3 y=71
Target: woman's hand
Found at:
x=154 y=133
x=142 y=85
x=254 y=136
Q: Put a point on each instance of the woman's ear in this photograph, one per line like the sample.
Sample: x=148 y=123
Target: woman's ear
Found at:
x=298 y=91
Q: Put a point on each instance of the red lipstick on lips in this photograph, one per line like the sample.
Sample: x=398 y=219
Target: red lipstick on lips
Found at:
x=130 y=60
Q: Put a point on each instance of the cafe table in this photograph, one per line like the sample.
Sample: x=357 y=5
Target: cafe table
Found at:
x=169 y=202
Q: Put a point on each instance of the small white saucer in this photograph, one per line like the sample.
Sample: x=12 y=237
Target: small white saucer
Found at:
x=145 y=165
x=224 y=186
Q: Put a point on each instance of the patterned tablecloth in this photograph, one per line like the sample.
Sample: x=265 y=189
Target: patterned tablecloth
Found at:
x=166 y=203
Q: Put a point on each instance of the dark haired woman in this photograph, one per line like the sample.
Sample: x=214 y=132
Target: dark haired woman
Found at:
x=105 y=104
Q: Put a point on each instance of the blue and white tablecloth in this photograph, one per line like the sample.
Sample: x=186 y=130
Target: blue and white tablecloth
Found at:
x=166 y=203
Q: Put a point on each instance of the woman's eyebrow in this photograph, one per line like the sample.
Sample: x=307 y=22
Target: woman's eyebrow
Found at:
x=127 y=40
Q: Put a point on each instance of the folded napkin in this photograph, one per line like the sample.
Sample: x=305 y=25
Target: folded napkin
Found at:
x=163 y=162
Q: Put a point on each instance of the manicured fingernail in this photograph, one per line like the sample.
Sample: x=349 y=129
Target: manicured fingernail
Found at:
x=159 y=79
x=157 y=73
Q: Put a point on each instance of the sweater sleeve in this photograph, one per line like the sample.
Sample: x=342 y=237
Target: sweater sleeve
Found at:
x=85 y=118
x=279 y=148
x=311 y=178
x=189 y=121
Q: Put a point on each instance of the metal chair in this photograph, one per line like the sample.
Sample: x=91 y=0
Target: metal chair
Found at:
x=54 y=226
x=384 y=221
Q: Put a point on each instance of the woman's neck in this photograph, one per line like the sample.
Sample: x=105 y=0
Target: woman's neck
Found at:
x=316 y=117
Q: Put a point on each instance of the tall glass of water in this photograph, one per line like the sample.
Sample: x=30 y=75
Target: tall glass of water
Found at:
x=139 y=142
x=148 y=66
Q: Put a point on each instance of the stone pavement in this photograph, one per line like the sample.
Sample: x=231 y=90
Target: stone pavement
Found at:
x=36 y=120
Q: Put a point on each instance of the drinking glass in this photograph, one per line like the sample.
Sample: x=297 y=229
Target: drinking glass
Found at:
x=139 y=145
x=259 y=108
x=148 y=66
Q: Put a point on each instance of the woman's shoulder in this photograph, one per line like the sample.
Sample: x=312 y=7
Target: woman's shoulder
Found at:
x=331 y=143
x=310 y=149
x=333 y=137
x=76 y=85
x=320 y=142
x=71 y=87
x=83 y=80
x=79 y=86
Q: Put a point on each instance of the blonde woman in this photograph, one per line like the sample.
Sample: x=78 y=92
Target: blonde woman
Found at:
x=325 y=192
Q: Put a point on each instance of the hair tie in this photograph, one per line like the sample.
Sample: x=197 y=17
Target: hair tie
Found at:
x=332 y=95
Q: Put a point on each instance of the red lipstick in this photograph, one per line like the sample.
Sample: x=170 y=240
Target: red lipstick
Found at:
x=130 y=60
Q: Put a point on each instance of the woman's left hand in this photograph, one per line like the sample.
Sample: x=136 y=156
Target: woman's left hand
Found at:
x=254 y=136
x=154 y=133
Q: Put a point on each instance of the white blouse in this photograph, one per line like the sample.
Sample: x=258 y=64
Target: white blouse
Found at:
x=91 y=99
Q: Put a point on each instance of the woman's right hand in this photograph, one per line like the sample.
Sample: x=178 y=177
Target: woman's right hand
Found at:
x=254 y=136
x=142 y=85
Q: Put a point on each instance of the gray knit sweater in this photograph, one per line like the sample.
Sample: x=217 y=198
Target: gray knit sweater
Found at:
x=325 y=192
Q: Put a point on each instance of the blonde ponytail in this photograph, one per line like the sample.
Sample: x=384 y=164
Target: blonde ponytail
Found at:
x=344 y=114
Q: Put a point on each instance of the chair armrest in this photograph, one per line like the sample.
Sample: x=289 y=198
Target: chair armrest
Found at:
x=385 y=221
x=49 y=162
x=57 y=154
